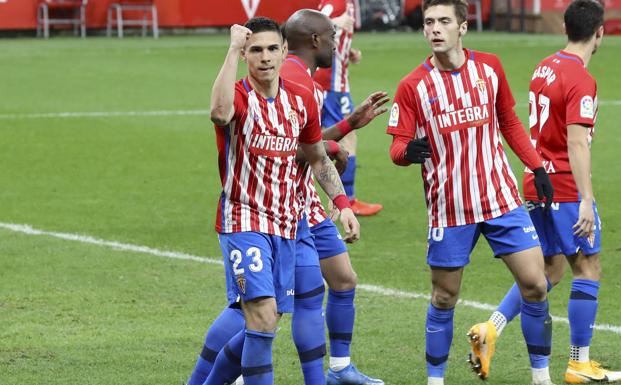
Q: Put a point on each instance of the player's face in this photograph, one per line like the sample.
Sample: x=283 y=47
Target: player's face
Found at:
x=264 y=54
x=442 y=29
x=327 y=46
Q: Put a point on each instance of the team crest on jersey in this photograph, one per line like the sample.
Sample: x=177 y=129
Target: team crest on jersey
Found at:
x=587 y=109
x=293 y=118
x=241 y=283
x=394 y=115
x=480 y=85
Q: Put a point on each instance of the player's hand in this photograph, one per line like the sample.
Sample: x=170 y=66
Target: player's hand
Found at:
x=239 y=36
x=418 y=150
x=586 y=219
x=368 y=110
x=544 y=188
x=346 y=20
x=341 y=159
x=350 y=225
x=355 y=55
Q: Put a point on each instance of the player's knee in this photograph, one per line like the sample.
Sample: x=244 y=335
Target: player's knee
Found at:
x=587 y=267
x=535 y=291
x=444 y=299
x=345 y=281
x=261 y=318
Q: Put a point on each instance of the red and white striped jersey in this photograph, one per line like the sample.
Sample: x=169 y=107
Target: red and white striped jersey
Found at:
x=256 y=155
x=295 y=70
x=336 y=77
x=468 y=178
x=562 y=92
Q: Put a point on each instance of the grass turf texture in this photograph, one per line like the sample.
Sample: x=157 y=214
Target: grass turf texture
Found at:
x=73 y=313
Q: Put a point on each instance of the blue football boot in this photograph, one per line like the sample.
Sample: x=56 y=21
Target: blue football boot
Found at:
x=350 y=376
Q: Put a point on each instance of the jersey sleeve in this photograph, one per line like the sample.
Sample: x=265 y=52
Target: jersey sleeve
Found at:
x=580 y=107
x=402 y=120
x=510 y=125
x=333 y=8
x=311 y=132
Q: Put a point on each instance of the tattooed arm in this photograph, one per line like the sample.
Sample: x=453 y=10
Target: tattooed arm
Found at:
x=329 y=180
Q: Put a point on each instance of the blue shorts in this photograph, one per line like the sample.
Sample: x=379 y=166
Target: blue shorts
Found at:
x=305 y=252
x=509 y=233
x=259 y=265
x=327 y=239
x=556 y=231
x=336 y=105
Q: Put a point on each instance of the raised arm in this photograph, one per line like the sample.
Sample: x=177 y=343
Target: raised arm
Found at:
x=223 y=90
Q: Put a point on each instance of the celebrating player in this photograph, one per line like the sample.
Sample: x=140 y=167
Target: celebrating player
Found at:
x=311 y=37
x=447 y=115
x=260 y=121
x=338 y=102
x=563 y=109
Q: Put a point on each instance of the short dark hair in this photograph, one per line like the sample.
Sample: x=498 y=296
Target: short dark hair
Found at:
x=460 y=6
x=582 y=19
x=263 y=24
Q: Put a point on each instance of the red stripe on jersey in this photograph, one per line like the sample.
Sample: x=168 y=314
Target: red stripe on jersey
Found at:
x=468 y=178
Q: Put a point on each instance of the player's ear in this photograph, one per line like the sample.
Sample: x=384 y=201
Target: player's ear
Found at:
x=315 y=40
x=285 y=49
x=463 y=29
x=600 y=32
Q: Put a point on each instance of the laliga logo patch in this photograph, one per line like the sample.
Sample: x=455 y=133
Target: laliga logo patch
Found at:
x=481 y=85
x=586 y=107
x=250 y=7
x=394 y=115
x=241 y=283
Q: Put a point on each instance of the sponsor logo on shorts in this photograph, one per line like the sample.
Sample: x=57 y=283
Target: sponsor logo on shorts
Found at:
x=290 y=292
x=241 y=283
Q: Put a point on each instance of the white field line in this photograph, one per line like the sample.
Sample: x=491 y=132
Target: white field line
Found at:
x=374 y=289
x=101 y=114
x=113 y=114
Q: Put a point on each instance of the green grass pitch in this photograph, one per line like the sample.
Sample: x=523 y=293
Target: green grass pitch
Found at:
x=77 y=313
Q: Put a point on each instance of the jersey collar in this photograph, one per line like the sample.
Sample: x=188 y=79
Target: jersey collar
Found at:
x=295 y=59
x=248 y=88
x=469 y=56
x=570 y=56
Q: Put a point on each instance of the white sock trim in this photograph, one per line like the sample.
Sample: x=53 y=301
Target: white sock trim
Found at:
x=540 y=374
x=435 y=381
x=339 y=363
x=499 y=320
x=579 y=353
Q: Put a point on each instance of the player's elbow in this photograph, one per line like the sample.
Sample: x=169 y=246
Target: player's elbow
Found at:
x=220 y=116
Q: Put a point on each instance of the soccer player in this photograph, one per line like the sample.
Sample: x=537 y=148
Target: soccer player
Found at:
x=338 y=102
x=448 y=115
x=259 y=122
x=563 y=109
x=310 y=35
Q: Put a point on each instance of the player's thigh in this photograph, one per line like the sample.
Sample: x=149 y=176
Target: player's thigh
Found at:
x=544 y=226
x=336 y=266
x=512 y=237
x=450 y=247
x=259 y=265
